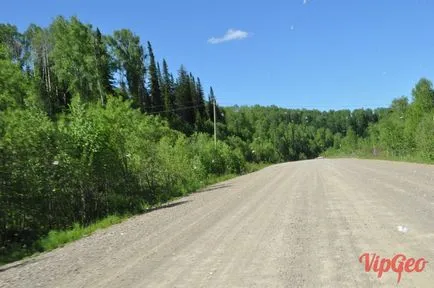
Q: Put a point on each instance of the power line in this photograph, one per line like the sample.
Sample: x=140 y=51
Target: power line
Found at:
x=163 y=105
x=252 y=106
x=310 y=107
x=177 y=109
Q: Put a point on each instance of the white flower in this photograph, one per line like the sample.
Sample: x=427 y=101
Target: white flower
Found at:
x=55 y=162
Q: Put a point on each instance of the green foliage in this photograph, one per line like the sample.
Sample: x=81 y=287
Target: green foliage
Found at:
x=14 y=85
x=423 y=96
x=216 y=159
x=93 y=162
x=14 y=43
x=154 y=85
x=184 y=97
x=74 y=58
x=57 y=238
x=27 y=148
x=425 y=137
x=404 y=132
x=129 y=60
x=168 y=91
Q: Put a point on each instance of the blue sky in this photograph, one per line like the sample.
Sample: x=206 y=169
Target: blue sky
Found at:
x=324 y=54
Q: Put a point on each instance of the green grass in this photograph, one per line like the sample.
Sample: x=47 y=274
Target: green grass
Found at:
x=252 y=167
x=361 y=154
x=56 y=239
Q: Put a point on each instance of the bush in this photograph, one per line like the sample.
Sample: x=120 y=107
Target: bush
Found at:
x=425 y=137
x=216 y=159
x=27 y=148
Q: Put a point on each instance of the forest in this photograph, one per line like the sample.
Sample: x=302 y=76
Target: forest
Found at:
x=93 y=125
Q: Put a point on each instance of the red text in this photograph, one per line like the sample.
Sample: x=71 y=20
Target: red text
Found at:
x=399 y=264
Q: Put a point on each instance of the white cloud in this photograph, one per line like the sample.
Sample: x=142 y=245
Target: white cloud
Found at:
x=230 y=35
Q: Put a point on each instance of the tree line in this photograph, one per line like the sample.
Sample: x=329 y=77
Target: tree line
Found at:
x=69 y=58
x=403 y=131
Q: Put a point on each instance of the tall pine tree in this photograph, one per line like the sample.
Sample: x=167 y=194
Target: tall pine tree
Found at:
x=167 y=89
x=210 y=108
x=105 y=77
x=200 y=99
x=184 y=100
x=154 y=86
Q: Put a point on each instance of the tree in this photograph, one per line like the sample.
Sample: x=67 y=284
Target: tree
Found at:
x=104 y=67
x=399 y=105
x=167 y=88
x=51 y=94
x=75 y=60
x=129 y=58
x=423 y=96
x=13 y=41
x=184 y=99
x=359 y=121
x=210 y=109
x=200 y=99
x=425 y=137
x=160 y=78
x=14 y=85
x=423 y=102
x=154 y=85
x=211 y=99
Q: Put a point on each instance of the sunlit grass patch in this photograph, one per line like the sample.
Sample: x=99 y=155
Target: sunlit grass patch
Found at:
x=56 y=239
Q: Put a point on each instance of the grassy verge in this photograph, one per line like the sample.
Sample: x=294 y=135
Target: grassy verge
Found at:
x=381 y=156
x=252 y=167
x=56 y=238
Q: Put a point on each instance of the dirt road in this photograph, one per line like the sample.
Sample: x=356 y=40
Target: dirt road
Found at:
x=302 y=224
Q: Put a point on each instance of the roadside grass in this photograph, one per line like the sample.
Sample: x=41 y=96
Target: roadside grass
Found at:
x=252 y=167
x=361 y=154
x=58 y=238
x=14 y=254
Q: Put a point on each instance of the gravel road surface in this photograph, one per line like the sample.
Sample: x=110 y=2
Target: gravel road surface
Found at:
x=300 y=224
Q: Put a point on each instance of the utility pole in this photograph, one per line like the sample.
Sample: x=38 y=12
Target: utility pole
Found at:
x=215 y=126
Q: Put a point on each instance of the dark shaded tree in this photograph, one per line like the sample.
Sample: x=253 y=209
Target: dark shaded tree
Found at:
x=154 y=85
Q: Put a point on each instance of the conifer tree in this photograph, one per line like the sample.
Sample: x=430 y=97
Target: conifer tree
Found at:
x=184 y=98
x=154 y=86
x=167 y=89
x=200 y=99
x=105 y=77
